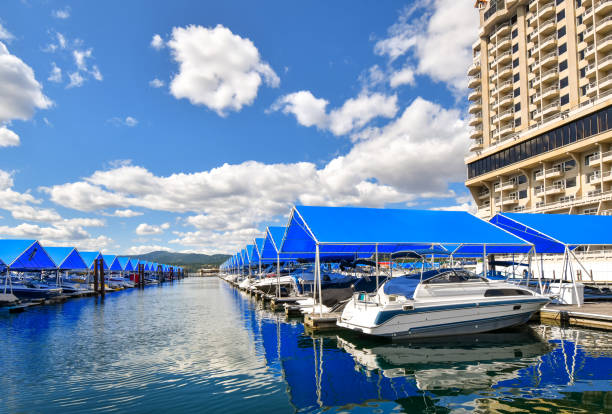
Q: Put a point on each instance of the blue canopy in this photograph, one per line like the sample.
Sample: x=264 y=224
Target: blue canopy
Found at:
x=550 y=233
x=90 y=257
x=24 y=255
x=66 y=258
x=272 y=241
x=126 y=263
x=252 y=254
x=365 y=230
x=112 y=262
x=245 y=257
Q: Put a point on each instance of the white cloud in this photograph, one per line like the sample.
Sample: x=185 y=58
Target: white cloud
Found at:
x=142 y=249
x=61 y=13
x=353 y=114
x=217 y=68
x=20 y=93
x=56 y=73
x=127 y=121
x=8 y=138
x=145 y=229
x=76 y=80
x=126 y=213
x=80 y=58
x=439 y=34
x=61 y=40
x=388 y=166
x=5 y=34
x=156 y=83
x=95 y=73
x=403 y=77
x=157 y=42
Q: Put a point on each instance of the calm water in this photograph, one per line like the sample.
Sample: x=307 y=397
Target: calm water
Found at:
x=201 y=346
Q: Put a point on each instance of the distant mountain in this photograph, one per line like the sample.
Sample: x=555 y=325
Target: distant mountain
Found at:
x=191 y=261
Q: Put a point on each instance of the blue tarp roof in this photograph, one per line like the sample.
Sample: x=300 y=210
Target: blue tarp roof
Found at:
x=89 y=258
x=112 y=262
x=359 y=230
x=245 y=257
x=252 y=254
x=551 y=232
x=273 y=239
x=66 y=258
x=126 y=263
x=25 y=255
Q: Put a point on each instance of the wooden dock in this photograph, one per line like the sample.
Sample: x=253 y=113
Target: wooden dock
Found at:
x=325 y=322
x=596 y=315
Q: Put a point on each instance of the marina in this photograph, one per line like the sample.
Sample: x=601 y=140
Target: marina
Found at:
x=134 y=353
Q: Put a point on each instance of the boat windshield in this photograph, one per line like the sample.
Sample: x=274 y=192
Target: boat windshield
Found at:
x=455 y=276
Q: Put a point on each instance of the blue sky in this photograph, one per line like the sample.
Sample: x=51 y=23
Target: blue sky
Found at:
x=190 y=126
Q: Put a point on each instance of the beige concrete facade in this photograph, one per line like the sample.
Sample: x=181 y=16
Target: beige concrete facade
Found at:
x=539 y=67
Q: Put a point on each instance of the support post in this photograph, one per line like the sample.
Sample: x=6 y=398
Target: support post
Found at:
x=277 y=275
x=318 y=272
x=95 y=275
x=377 y=270
x=102 y=282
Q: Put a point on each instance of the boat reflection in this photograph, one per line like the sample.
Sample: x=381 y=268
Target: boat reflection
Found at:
x=469 y=363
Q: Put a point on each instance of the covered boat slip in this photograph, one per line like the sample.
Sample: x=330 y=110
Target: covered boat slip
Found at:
x=559 y=234
x=319 y=231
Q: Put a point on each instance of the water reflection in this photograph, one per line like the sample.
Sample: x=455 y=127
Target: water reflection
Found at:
x=203 y=346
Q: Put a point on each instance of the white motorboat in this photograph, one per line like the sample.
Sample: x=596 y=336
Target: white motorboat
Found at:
x=438 y=303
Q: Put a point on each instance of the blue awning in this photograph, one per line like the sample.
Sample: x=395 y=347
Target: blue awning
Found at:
x=245 y=257
x=272 y=241
x=24 y=255
x=251 y=254
x=340 y=230
x=90 y=257
x=550 y=233
x=126 y=263
x=66 y=258
x=112 y=262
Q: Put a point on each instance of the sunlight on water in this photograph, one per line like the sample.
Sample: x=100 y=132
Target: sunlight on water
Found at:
x=200 y=345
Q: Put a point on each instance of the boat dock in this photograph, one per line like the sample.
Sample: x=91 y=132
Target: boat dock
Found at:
x=593 y=315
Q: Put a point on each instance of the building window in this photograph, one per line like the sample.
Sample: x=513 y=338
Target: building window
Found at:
x=517 y=92
x=561 y=15
x=569 y=165
x=517 y=122
x=588 y=159
x=515 y=48
x=521 y=179
x=593 y=124
x=561 y=32
x=580 y=37
x=563 y=48
x=517 y=76
x=517 y=107
x=578 y=3
x=514 y=33
x=570 y=182
x=563 y=83
x=565 y=99
x=562 y=66
x=583 y=72
x=513 y=19
x=590 y=211
x=515 y=63
x=522 y=194
x=583 y=90
x=559 y=1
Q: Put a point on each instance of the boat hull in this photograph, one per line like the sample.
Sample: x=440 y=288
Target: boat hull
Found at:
x=438 y=321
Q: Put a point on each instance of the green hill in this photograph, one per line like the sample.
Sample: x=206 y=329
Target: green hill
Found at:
x=191 y=261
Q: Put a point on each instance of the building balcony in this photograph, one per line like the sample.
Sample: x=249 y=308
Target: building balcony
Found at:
x=474 y=81
x=553 y=172
x=503 y=58
x=549 y=59
x=510 y=200
x=506 y=129
x=502 y=29
x=550 y=109
x=588 y=13
x=588 y=34
x=607 y=176
x=550 y=190
x=603 y=7
x=606 y=157
x=474 y=68
x=508 y=185
x=591 y=89
x=587 y=3
x=594 y=177
x=475 y=94
x=475 y=107
x=605 y=83
x=533 y=6
x=548 y=43
x=483 y=195
x=604 y=44
x=547 y=27
x=546 y=10
x=604 y=25
x=589 y=52
x=505 y=100
x=551 y=75
x=550 y=92
x=605 y=64
x=504 y=72
x=476 y=133
x=505 y=86
x=503 y=43
x=476 y=145
x=476 y=119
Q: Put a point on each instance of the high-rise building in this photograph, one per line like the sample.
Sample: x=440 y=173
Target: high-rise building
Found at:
x=541 y=107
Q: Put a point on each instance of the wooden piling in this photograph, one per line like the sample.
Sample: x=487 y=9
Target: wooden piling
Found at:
x=95 y=275
x=102 y=281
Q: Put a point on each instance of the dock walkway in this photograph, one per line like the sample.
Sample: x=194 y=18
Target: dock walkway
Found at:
x=596 y=315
